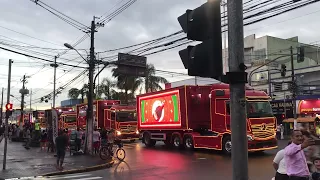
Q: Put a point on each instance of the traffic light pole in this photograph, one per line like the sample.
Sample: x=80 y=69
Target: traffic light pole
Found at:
x=1 y=115
x=7 y=117
x=239 y=139
x=293 y=91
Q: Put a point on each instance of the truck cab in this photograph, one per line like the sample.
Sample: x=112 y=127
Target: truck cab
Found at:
x=123 y=119
x=69 y=120
x=261 y=124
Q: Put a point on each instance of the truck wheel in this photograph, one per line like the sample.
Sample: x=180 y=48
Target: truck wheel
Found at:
x=148 y=141
x=188 y=143
x=226 y=146
x=176 y=141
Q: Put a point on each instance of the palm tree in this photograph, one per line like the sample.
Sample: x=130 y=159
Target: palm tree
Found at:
x=126 y=83
x=74 y=92
x=106 y=88
x=152 y=82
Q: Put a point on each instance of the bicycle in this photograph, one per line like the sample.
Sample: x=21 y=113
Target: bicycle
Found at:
x=117 y=149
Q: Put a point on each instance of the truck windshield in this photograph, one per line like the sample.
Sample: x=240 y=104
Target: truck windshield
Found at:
x=70 y=119
x=257 y=109
x=124 y=116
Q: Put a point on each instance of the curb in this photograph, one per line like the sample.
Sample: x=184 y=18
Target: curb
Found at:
x=86 y=169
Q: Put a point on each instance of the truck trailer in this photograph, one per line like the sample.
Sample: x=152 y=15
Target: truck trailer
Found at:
x=199 y=117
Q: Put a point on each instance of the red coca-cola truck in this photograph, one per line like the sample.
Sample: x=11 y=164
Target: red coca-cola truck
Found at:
x=199 y=117
x=123 y=119
x=98 y=112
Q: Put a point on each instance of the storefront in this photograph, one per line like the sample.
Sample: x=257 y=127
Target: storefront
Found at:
x=282 y=109
x=309 y=107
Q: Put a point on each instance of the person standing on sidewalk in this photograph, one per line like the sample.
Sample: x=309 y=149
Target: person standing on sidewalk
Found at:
x=78 y=139
x=61 y=145
x=28 y=137
x=295 y=159
x=279 y=165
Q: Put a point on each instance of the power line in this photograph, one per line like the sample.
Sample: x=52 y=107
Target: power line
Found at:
x=62 y=16
x=23 y=54
x=29 y=36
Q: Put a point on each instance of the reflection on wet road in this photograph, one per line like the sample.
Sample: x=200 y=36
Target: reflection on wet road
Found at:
x=163 y=163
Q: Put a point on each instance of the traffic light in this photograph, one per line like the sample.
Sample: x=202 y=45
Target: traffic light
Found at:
x=35 y=114
x=283 y=70
x=8 y=113
x=203 y=24
x=300 y=54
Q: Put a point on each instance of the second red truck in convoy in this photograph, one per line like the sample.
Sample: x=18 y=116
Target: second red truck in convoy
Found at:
x=199 y=117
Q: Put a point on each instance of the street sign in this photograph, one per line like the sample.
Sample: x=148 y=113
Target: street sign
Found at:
x=131 y=65
x=9 y=107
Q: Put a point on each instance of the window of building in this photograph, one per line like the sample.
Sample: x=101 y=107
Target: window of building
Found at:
x=260 y=54
x=277 y=87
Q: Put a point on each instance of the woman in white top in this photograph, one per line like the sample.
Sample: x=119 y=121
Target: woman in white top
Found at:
x=280 y=166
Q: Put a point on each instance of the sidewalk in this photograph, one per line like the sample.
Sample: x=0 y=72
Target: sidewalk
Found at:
x=33 y=162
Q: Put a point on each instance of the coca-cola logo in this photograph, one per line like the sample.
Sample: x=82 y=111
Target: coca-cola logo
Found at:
x=158 y=110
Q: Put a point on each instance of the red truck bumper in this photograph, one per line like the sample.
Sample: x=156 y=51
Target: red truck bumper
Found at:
x=256 y=145
x=129 y=136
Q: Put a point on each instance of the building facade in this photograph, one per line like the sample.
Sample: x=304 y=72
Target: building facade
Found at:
x=276 y=52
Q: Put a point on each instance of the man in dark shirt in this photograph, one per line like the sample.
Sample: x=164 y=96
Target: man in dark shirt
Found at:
x=61 y=144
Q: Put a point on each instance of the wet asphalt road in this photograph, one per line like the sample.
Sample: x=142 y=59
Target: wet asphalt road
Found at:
x=162 y=163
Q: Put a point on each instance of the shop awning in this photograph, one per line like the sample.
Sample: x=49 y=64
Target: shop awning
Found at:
x=300 y=120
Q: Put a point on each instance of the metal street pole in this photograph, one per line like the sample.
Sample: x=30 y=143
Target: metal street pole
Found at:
x=293 y=88
x=269 y=83
x=22 y=101
x=54 y=65
x=90 y=117
x=6 y=125
x=239 y=139
x=1 y=115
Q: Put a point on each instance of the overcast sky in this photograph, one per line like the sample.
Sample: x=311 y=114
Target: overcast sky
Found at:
x=144 y=20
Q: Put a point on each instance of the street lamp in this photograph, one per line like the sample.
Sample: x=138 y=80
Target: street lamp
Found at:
x=89 y=116
x=72 y=48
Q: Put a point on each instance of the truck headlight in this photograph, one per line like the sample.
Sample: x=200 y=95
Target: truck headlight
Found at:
x=250 y=138
x=137 y=131
x=118 y=133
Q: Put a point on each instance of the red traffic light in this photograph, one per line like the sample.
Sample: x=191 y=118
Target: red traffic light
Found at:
x=283 y=116
x=9 y=106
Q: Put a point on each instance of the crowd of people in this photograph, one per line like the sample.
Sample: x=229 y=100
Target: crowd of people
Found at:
x=300 y=159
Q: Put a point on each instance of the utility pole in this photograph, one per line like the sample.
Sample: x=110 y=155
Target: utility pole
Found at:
x=7 y=117
x=1 y=115
x=54 y=65
x=225 y=57
x=237 y=79
x=22 y=91
x=30 y=99
x=88 y=148
x=293 y=88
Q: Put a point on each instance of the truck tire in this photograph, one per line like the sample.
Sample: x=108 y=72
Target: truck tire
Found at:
x=188 y=143
x=176 y=141
x=148 y=141
x=226 y=146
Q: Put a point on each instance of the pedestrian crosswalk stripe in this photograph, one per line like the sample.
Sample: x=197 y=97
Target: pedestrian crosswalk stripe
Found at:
x=65 y=177
x=68 y=176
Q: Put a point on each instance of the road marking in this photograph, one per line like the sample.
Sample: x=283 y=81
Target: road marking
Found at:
x=79 y=176
x=89 y=178
x=202 y=158
x=68 y=176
